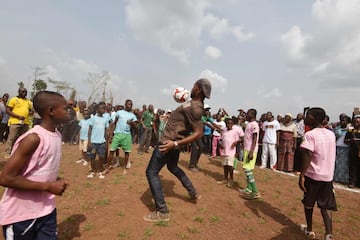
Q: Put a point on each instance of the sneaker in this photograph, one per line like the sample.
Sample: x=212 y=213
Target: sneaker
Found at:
x=128 y=165
x=85 y=163
x=157 y=216
x=236 y=172
x=194 y=169
x=80 y=161
x=308 y=234
x=195 y=198
x=262 y=167
x=245 y=190
x=91 y=175
x=329 y=237
x=252 y=196
x=117 y=164
x=101 y=175
x=225 y=181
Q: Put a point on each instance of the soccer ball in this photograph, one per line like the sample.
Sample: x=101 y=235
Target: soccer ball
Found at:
x=181 y=94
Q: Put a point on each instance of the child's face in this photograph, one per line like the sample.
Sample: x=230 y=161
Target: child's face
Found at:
x=229 y=124
x=60 y=113
x=86 y=114
x=101 y=109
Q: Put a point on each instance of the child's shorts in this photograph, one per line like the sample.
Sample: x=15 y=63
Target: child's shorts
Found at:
x=228 y=160
x=320 y=192
x=96 y=149
x=122 y=140
x=40 y=228
x=83 y=145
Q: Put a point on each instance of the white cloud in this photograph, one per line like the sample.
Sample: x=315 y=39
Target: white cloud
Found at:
x=275 y=92
x=176 y=26
x=217 y=27
x=241 y=35
x=218 y=82
x=331 y=51
x=213 y=52
x=294 y=42
x=173 y=26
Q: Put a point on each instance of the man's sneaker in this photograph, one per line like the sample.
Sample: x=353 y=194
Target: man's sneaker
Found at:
x=329 y=237
x=157 y=216
x=85 y=163
x=80 y=161
x=252 y=195
x=91 y=175
x=101 y=175
x=245 y=190
x=308 y=234
x=117 y=164
x=195 y=198
x=194 y=169
x=262 y=167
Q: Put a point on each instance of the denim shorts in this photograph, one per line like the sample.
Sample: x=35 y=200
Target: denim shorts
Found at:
x=96 y=149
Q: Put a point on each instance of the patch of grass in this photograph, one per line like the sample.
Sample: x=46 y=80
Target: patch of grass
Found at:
x=161 y=223
x=245 y=214
x=214 y=219
x=86 y=206
x=199 y=219
x=192 y=229
x=120 y=213
x=88 y=227
x=88 y=185
x=123 y=234
x=182 y=235
x=148 y=232
x=202 y=210
x=103 y=202
x=262 y=220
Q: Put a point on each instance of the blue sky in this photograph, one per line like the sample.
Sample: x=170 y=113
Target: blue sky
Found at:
x=272 y=55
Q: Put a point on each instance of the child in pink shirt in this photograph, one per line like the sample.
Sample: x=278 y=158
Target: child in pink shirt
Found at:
x=319 y=151
x=231 y=136
x=27 y=208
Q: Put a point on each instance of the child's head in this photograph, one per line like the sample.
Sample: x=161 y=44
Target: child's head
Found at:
x=251 y=114
x=51 y=105
x=86 y=113
x=229 y=123
x=100 y=108
x=315 y=117
x=128 y=105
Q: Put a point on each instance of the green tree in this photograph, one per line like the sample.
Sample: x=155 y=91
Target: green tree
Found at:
x=38 y=85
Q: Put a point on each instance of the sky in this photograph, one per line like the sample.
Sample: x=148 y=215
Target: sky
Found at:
x=271 y=55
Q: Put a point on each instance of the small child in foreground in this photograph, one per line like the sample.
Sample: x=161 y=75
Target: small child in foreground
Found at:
x=27 y=208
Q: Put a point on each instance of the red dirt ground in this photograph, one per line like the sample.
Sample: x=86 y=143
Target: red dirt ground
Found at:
x=113 y=208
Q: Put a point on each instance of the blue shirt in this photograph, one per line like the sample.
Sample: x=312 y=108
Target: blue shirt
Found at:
x=99 y=125
x=84 y=128
x=121 y=125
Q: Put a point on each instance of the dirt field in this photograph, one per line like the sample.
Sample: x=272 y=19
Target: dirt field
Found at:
x=113 y=208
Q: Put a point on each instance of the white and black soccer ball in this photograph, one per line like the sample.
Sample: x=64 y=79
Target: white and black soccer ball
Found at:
x=181 y=94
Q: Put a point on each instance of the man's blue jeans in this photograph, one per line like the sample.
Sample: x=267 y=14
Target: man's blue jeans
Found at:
x=157 y=162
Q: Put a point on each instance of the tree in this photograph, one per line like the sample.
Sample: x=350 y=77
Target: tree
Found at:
x=21 y=84
x=98 y=83
x=38 y=84
x=61 y=87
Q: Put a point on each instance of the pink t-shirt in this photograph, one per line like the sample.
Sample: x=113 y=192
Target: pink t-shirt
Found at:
x=251 y=128
x=229 y=137
x=322 y=143
x=19 y=205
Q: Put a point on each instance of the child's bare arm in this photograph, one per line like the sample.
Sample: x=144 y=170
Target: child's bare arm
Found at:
x=11 y=175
